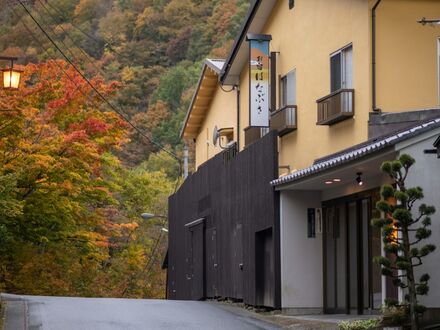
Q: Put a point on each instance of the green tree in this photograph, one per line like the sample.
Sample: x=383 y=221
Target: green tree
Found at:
x=403 y=231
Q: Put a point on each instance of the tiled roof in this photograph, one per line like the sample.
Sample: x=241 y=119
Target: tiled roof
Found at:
x=358 y=151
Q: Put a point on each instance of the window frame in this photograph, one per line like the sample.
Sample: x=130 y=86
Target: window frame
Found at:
x=282 y=94
x=341 y=51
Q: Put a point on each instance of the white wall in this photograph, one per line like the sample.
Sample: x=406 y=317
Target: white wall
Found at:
x=301 y=257
x=426 y=174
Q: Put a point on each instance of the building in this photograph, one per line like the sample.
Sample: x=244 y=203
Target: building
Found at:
x=352 y=83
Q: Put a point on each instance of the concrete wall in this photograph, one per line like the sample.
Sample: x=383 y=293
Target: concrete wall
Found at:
x=301 y=257
x=426 y=174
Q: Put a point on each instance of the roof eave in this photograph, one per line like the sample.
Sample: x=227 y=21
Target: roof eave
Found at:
x=191 y=105
x=209 y=63
x=350 y=154
x=239 y=40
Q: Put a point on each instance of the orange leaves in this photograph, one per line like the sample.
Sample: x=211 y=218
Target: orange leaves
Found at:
x=75 y=136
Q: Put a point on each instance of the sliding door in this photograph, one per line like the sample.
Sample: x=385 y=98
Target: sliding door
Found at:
x=352 y=284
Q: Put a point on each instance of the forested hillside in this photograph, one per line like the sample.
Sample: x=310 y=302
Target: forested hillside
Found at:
x=74 y=175
x=154 y=48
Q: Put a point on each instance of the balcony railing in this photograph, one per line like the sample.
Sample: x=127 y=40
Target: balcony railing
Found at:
x=284 y=120
x=252 y=134
x=336 y=107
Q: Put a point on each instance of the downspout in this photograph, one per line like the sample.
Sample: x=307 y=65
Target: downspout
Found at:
x=237 y=87
x=373 y=27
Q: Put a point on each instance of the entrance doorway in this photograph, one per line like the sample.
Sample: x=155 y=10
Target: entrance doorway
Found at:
x=264 y=266
x=352 y=282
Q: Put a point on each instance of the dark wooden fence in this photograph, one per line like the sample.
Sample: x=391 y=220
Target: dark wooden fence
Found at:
x=224 y=229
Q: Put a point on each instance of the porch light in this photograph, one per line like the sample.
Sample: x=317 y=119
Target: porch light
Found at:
x=359 y=180
x=11 y=76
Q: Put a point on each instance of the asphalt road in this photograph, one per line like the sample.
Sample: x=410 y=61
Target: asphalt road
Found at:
x=61 y=313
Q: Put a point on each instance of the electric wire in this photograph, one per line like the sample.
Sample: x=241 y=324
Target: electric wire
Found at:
x=38 y=42
x=227 y=91
x=87 y=57
x=120 y=113
x=152 y=257
x=123 y=116
x=54 y=18
x=106 y=43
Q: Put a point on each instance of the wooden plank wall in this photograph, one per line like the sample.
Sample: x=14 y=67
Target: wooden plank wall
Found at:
x=236 y=200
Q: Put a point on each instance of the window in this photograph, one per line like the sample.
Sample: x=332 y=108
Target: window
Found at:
x=291 y=4
x=288 y=89
x=341 y=69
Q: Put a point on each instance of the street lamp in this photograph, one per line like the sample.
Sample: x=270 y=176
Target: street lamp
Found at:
x=148 y=216
x=11 y=76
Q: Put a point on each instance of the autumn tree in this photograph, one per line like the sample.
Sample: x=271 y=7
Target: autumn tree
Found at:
x=69 y=210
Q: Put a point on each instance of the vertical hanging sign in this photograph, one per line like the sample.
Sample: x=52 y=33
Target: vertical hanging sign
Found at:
x=259 y=79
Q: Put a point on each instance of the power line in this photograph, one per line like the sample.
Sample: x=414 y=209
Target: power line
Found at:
x=123 y=116
x=105 y=42
x=87 y=57
x=54 y=18
x=39 y=44
x=37 y=41
x=152 y=258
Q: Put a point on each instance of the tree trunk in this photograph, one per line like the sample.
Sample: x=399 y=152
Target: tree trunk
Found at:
x=410 y=280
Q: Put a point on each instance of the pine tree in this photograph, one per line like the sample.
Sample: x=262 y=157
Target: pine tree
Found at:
x=403 y=230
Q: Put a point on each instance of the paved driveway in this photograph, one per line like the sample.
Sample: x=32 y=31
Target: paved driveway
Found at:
x=60 y=313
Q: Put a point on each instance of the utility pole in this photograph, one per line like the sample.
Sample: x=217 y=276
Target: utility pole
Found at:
x=185 y=162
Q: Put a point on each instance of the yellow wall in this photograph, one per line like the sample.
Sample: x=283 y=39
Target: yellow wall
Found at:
x=222 y=113
x=407 y=72
x=305 y=38
x=407 y=76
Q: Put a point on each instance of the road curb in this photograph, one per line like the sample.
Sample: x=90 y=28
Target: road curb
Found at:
x=15 y=315
x=5 y=297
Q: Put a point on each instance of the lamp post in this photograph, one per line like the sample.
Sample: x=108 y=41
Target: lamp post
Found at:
x=148 y=216
x=11 y=76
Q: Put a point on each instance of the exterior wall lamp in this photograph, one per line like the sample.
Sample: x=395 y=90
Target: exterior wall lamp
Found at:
x=11 y=76
x=359 y=180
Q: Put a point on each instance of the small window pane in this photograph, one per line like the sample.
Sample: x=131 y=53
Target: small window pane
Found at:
x=347 y=58
x=283 y=91
x=335 y=72
x=291 y=88
x=288 y=89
